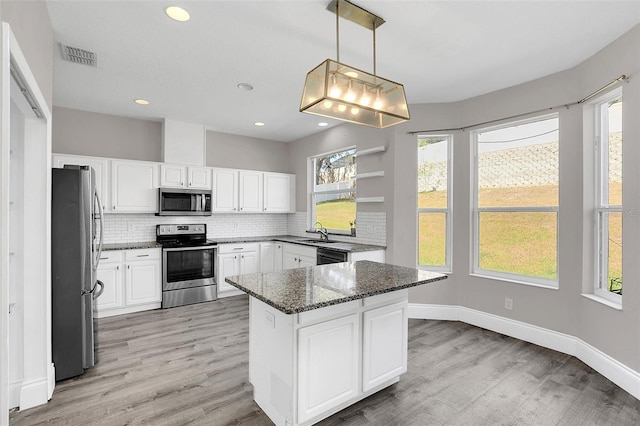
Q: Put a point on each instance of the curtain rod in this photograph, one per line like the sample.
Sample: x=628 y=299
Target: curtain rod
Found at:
x=623 y=77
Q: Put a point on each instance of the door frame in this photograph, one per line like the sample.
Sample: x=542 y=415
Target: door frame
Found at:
x=38 y=136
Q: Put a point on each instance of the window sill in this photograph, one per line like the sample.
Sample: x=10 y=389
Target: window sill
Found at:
x=515 y=281
x=602 y=300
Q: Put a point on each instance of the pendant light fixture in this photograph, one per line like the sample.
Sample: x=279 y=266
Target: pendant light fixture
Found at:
x=339 y=91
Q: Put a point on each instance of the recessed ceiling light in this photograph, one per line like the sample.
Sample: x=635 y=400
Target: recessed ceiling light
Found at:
x=323 y=124
x=258 y=123
x=245 y=86
x=177 y=13
x=351 y=74
x=141 y=101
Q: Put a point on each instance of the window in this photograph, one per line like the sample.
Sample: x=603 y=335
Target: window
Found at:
x=516 y=201
x=333 y=197
x=434 y=202
x=609 y=198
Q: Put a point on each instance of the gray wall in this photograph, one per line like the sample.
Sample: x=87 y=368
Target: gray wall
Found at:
x=615 y=332
x=342 y=137
x=243 y=152
x=101 y=135
x=30 y=24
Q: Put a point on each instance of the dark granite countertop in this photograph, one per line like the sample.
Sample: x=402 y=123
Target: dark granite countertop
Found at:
x=131 y=246
x=304 y=289
x=307 y=241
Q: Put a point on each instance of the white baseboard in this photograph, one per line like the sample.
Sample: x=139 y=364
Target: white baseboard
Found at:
x=14 y=394
x=623 y=376
x=34 y=393
x=52 y=380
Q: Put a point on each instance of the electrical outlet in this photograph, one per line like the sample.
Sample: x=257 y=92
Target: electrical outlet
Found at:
x=270 y=319
x=508 y=303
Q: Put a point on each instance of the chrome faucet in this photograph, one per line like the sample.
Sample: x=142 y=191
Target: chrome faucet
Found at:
x=324 y=234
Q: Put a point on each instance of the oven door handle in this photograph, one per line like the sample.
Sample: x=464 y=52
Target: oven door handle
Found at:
x=189 y=248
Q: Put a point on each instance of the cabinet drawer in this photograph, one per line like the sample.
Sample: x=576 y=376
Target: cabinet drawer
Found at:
x=237 y=248
x=328 y=312
x=111 y=256
x=386 y=298
x=142 y=254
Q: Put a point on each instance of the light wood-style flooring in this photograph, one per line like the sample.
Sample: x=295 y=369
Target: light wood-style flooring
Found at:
x=189 y=366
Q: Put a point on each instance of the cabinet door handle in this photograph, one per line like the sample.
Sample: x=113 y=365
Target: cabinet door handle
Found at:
x=237 y=248
x=265 y=209
x=190 y=183
x=118 y=268
x=143 y=255
x=104 y=258
x=128 y=266
x=114 y=207
x=242 y=256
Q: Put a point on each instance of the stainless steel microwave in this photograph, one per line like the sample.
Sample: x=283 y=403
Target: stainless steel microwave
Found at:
x=184 y=202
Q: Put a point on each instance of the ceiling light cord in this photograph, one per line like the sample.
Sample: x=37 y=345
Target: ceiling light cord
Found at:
x=338 y=31
x=374 y=48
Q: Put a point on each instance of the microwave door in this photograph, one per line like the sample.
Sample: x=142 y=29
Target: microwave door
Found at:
x=194 y=199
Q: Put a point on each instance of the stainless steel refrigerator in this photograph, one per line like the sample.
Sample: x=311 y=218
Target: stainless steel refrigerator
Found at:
x=76 y=214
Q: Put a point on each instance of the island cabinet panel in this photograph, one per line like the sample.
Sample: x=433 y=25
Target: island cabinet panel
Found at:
x=328 y=360
x=384 y=344
x=309 y=365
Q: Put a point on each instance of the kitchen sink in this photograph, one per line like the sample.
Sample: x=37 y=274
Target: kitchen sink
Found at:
x=316 y=241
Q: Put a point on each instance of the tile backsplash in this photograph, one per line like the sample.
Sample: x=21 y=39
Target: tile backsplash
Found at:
x=127 y=228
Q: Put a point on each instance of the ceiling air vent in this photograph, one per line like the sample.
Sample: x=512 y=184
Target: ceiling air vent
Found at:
x=79 y=56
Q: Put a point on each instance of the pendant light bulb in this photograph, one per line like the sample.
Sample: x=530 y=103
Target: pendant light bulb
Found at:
x=342 y=108
x=355 y=111
x=365 y=99
x=335 y=89
x=378 y=103
x=350 y=96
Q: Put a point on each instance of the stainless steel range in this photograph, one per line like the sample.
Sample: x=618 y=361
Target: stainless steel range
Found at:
x=188 y=264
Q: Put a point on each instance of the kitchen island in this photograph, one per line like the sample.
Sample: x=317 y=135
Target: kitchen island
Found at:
x=324 y=337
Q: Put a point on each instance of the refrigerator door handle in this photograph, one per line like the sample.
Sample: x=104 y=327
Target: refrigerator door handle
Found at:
x=93 y=290
x=100 y=208
x=101 y=284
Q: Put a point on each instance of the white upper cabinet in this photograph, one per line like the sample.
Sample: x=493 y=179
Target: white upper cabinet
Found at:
x=250 y=195
x=178 y=176
x=278 y=192
x=99 y=165
x=173 y=176
x=199 y=177
x=225 y=190
x=134 y=186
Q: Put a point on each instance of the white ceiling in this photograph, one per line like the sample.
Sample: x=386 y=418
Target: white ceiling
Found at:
x=441 y=51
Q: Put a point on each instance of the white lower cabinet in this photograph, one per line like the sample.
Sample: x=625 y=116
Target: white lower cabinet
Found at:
x=235 y=259
x=384 y=344
x=142 y=281
x=110 y=273
x=297 y=256
x=132 y=281
x=305 y=367
x=328 y=363
x=270 y=256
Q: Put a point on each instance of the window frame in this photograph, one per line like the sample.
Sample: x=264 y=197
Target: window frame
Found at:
x=601 y=205
x=476 y=270
x=311 y=216
x=448 y=211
